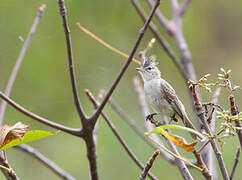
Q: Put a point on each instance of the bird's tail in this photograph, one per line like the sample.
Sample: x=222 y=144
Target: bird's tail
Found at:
x=189 y=124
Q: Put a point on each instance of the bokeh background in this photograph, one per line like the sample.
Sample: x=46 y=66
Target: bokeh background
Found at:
x=213 y=30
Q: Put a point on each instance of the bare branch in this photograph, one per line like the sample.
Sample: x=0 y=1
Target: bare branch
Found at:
x=201 y=164
x=68 y=130
x=236 y=161
x=47 y=162
x=20 y=59
x=79 y=109
x=235 y=111
x=125 y=66
x=122 y=142
x=126 y=118
x=164 y=44
x=201 y=115
x=207 y=154
x=149 y=165
x=160 y=17
x=184 y=6
x=11 y=175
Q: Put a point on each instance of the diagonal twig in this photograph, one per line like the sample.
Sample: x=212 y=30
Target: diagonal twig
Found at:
x=68 y=130
x=236 y=161
x=122 y=142
x=149 y=165
x=20 y=59
x=125 y=66
x=47 y=162
x=79 y=109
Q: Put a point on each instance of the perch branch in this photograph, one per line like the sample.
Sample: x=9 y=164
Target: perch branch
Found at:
x=20 y=59
x=47 y=162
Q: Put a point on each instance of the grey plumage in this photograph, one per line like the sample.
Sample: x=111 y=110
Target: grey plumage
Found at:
x=161 y=95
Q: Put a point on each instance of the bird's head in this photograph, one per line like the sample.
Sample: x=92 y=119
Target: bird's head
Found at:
x=149 y=70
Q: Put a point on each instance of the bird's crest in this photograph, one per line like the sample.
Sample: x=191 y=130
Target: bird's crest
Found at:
x=149 y=61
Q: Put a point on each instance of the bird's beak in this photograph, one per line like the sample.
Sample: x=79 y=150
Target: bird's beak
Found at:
x=138 y=69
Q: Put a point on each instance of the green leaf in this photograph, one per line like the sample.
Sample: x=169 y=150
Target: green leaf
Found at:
x=28 y=137
x=160 y=128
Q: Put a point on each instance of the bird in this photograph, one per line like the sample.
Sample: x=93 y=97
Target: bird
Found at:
x=161 y=95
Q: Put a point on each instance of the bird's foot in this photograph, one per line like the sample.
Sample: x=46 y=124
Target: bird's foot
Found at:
x=152 y=120
x=150 y=116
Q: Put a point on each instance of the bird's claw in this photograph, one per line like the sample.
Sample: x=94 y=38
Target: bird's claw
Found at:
x=150 y=116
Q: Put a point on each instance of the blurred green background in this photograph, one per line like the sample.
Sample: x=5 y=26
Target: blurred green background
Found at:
x=213 y=30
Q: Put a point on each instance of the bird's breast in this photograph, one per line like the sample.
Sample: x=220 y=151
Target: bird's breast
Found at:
x=155 y=96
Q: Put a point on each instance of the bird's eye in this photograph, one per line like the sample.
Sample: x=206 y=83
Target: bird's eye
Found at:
x=149 y=68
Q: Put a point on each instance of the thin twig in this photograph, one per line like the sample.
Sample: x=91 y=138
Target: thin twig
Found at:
x=184 y=6
x=122 y=142
x=125 y=66
x=201 y=115
x=207 y=154
x=235 y=111
x=47 y=162
x=236 y=161
x=105 y=43
x=149 y=165
x=126 y=118
x=11 y=174
x=202 y=165
x=68 y=130
x=79 y=109
x=164 y=44
x=20 y=59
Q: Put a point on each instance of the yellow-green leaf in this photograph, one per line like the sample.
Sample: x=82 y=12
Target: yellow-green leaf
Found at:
x=179 y=141
x=28 y=137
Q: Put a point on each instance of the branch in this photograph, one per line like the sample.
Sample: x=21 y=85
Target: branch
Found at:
x=68 y=130
x=149 y=165
x=125 y=66
x=79 y=109
x=11 y=175
x=164 y=44
x=201 y=115
x=160 y=17
x=201 y=164
x=20 y=59
x=234 y=111
x=184 y=6
x=122 y=142
x=47 y=162
x=207 y=154
x=236 y=161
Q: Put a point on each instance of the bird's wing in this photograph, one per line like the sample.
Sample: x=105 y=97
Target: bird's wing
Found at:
x=171 y=97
